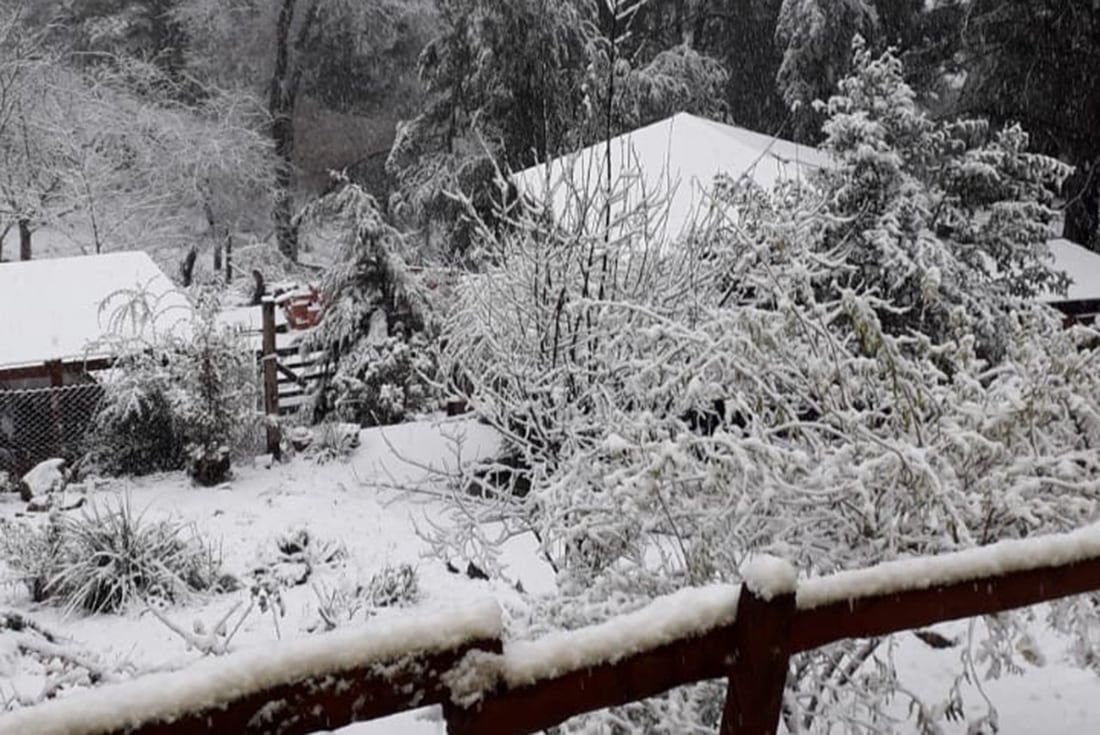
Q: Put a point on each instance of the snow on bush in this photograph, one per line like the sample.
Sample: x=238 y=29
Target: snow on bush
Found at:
x=836 y=375
x=376 y=316
x=176 y=400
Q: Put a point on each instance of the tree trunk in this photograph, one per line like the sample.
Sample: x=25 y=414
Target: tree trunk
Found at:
x=187 y=267
x=228 y=257
x=1082 y=213
x=25 y=239
x=281 y=104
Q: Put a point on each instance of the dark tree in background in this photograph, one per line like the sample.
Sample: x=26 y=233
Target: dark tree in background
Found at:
x=1038 y=62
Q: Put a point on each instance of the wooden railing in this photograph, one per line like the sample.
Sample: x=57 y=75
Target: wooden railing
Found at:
x=457 y=659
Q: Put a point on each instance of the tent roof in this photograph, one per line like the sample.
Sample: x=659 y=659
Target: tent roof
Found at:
x=678 y=157
x=50 y=309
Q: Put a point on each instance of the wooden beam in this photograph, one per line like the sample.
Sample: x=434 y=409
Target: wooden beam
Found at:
x=323 y=702
x=42 y=370
x=529 y=709
x=271 y=379
x=868 y=616
x=762 y=639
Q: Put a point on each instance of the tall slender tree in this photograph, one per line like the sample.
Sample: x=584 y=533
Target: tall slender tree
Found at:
x=290 y=48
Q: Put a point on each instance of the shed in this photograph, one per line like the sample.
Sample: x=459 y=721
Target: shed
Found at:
x=57 y=312
x=678 y=158
x=54 y=317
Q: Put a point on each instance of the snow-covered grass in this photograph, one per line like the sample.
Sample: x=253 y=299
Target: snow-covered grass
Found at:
x=359 y=507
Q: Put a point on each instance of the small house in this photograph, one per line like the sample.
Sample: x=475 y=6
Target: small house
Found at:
x=57 y=317
x=674 y=162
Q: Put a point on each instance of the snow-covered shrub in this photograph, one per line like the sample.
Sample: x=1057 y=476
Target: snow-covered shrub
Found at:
x=299 y=554
x=108 y=557
x=135 y=431
x=327 y=440
x=184 y=399
x=836 y=374
x=217 y=406
x=33 y=554
x=393 y=586
x=376 y=322
x=384 y=382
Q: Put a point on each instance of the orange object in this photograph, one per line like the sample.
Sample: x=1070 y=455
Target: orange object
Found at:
x=304 y=311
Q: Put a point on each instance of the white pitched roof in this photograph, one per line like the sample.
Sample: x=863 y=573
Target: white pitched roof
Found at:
x=677 y=157
x=50 y=309
x=680 y=156
x=1081 y=265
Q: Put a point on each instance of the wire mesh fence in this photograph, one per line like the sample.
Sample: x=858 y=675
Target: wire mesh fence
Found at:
x=40 y=423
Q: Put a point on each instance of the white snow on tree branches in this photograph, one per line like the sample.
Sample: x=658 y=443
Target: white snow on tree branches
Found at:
x=837 y=374
x=215 y=682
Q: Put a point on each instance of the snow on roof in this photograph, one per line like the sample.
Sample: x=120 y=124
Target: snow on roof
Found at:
x=1081 y=265
x=213 y=682
x=677 y=157
x=50 y=309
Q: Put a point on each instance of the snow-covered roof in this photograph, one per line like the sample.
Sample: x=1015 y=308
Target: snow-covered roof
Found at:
x=1083 y=268
x=677 y=157
x=51 y=309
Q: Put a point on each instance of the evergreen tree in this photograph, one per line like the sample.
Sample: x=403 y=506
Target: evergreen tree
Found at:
x=1037 y=62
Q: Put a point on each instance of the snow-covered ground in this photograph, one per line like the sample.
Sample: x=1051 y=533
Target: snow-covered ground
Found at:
x=374 y=504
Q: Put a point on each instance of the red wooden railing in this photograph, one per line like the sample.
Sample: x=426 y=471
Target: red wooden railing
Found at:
x=488 y=686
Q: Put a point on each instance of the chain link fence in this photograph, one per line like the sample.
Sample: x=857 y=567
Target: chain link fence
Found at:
x=40 y=423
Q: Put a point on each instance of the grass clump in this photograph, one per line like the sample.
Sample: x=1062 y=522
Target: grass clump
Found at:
x=108 y=557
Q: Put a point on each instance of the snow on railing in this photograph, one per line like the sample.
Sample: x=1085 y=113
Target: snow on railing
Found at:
x=297 y=686
x=457 y=659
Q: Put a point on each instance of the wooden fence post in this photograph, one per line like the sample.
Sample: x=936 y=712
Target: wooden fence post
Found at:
x=57 y=381
x=271 y=377
x=762 y=637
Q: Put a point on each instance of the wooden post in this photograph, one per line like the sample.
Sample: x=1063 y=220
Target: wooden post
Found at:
x=228 y=257
x=762 y=635
x=57 y=380
x=271 y=377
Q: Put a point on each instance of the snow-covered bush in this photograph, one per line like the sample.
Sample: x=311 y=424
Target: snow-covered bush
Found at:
x=836 y=374
x=217 y=406
x=33 y=554
x=384 y=382
x=184 y=399
x=108 y=557
x=327 y=440
x=134 y=433
x=392 y=586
